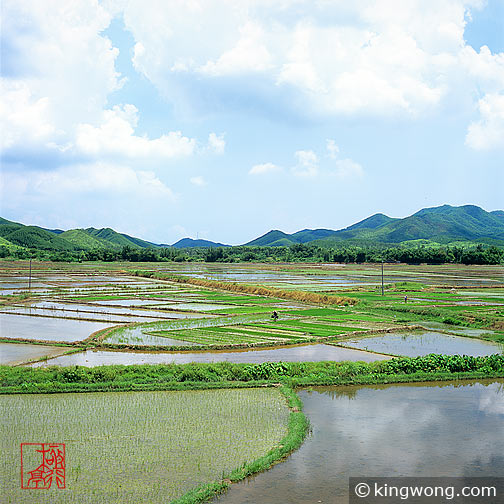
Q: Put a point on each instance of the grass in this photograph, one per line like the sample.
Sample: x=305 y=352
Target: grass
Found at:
x=293 y=295
x=224 y=374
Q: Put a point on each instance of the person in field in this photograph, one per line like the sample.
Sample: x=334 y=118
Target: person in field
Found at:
x=274 y=316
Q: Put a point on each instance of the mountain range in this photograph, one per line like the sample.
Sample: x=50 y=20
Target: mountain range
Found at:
x=444 y=224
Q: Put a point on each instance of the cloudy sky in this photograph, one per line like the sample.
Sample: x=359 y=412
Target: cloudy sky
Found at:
x=224 y=119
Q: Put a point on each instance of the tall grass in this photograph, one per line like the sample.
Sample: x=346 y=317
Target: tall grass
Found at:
x=301 y=296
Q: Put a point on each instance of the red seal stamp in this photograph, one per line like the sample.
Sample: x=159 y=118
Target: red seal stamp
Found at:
x=41 y=465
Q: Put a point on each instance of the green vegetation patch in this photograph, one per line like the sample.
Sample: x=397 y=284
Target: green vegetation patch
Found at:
x=142 y=446
x=244 y=309
x=231 y=336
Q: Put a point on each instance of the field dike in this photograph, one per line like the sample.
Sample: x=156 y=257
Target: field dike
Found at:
x=301 y=296
x=286 y=376
x=296 y=432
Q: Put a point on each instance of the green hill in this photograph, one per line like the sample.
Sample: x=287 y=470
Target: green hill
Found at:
x=270 y=238
x=307 y=235
x=86 y=241
x=189 y=243
x=444 y=224
x=32 y=237
x=373 y=222
x=437 y=225
x=118 y=239
x=14 y=233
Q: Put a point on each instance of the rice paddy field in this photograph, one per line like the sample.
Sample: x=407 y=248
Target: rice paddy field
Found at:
x=139 y=446
x=156 y=446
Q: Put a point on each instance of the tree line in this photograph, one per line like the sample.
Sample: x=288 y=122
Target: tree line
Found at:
x=456 y=254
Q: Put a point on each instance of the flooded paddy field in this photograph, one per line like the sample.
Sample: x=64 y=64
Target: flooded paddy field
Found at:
x=328 y=276
x=154 y=457
x=441 y=429
x=417 y=343
x=15 y=353
x=47 y=329
x=119 y=449
x=301 y=353
x=76 y=314
x=79 y=299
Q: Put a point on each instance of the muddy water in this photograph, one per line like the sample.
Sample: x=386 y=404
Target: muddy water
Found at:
x=307 y=353
x=466 y=331
x=14 y=353
x=423 y=343
x=450 y=429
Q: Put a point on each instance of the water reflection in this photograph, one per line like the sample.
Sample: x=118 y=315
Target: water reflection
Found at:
x=450 y=429
x=306 y=353
x=415 y=344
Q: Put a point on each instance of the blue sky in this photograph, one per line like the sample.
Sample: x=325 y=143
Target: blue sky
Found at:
x=225 y=119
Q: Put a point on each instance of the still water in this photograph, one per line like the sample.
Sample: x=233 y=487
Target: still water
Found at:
x=301 y=353
x=423 y=343
x=14 y=353
x=449 y=429
x=47 y=329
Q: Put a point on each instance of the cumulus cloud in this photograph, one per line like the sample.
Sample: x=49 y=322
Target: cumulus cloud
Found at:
x=367 y=57
x=488 y=132
x=94 y=178
x=57 y=54
x=115 y=136
x=248 y=55
x=216 y=143
x=57 y=75
x=307 y=164
x=264 y=168
x=332 y=149
x=23 y=118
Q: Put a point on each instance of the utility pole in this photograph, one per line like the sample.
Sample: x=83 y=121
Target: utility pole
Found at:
x=382 y=278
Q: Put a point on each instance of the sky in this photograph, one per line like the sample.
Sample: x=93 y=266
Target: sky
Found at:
x=223 y=119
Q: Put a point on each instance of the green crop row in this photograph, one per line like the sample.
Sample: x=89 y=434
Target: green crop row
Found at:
x=120 y=377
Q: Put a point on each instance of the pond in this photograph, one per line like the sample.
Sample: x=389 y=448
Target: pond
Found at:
x=415 y=344
x=448 y=429
x=300 y=353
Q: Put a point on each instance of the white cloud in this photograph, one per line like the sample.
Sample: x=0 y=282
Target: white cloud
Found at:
x=115 y=136
x=248 y=55
x=307 y=164
x=216 y=143
x=332 y=149
x=94 y=178
x=346 y=168
x=23 y=119
x=368 y=57
x=57 y=54
x=199 y=181
x=262 y=169
x=488 y=132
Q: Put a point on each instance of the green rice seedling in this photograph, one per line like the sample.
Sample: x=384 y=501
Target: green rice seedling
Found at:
x=140 y=446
